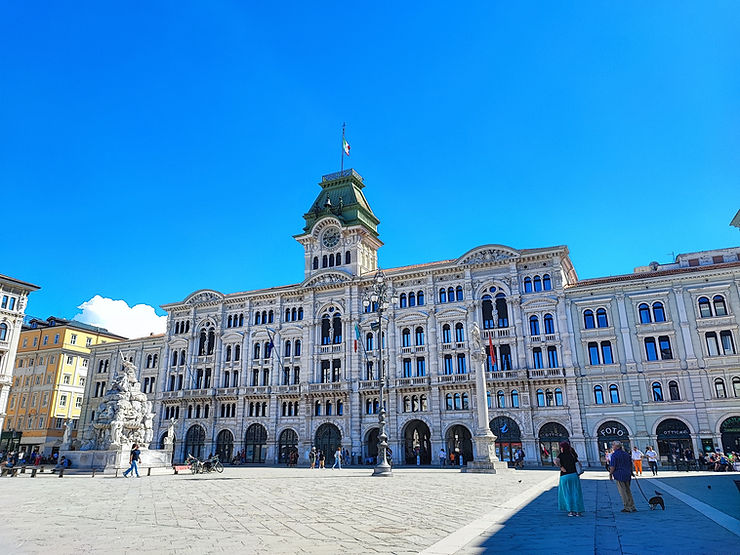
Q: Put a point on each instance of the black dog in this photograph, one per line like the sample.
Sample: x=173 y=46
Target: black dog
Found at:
x=654 y=502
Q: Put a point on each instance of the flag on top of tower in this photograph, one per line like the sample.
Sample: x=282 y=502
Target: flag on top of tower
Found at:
x=345 y=146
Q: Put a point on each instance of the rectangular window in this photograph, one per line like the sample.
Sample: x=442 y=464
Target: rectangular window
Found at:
x=461 y=367
x=552 y=357
x=45 y=400
x=5 y=302
x=11 y=306
x=25 y=341
x=52 y=359
x=23 y=402
x=650 y=351
x=84 y=363
x=42 y=421
x=46 y=340
x=82 y=381
x=728 y=345
x=63 y=400
x=593 y=354
x=537 y=357
x=407 y=368
x=34 y=398
x=78 y=402
x=12 y=404
x=59 y=422
x=421 y=368
x=448 y=364
x=73 y=339
x=712 y=345
x=70 y=359
x=66 y=379
x=665 y=348
x=35 y=341
x=56 y=339
x=606 y=352
x=718 y=259
x=88 y=341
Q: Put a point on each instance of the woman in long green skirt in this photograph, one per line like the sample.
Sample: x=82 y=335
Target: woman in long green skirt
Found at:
x=570 y=496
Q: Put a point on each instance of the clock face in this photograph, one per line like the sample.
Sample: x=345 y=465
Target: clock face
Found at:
x=331 y=237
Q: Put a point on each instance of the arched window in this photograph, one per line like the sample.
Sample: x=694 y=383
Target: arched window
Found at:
x=331 y=260
x=502 y=310
x=287 y=315
x=515 y=399
x=420 y=298
x=177 y=327
x=442 y=295
x=257 y=319
x=644 y=313
x=256 y=351
x=228 y=324
x=720 y=308
x=419 y=335
x=271 y=317
x=202 y=343
x=534 y=325
x=450 y=295
x=446 y=334
x=406 y=337
x=537 y=283
x=286 y=349
x=369 y=342
x=407 y=404
x=300 y=313
x=458 y=401
x=337 y=329
x=448 y=401
x=546 y=282
x=315 y=262
x=548 y=397
x=293 y=314
x=347 y=257
x=614 y=393
x=412 y=299
x=325 y=330
x=317 y=408
x=588 y=319
x=414 y=403
x=549 y=324
x=657 y=392
x=705 y=309
x=459 y=293
x=228 y=353
x=174 y=358
x=673 y=392
x=182 y=357
x=658 y=312
x=423 y=403
x=719 y=388
x=459 y=332
x=264 y=316
x=465 y=401
x=527 y=285
x=736 y=386
x=601 y=318
x=598 y=395
x=324 y=261
x=558 y=397
x=402 y=302
x=500 y=399
x=540 y=398
x=487 y=309
x=488 y=399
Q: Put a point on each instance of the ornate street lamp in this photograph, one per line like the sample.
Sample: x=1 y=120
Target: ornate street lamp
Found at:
x=380 y=297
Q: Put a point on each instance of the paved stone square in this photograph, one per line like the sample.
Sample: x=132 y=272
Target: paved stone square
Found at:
x=248 y=510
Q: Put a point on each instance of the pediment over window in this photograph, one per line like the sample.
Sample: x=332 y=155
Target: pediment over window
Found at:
x=326 y=278
x=488 y=253
x=541 y=302
x=204 y=296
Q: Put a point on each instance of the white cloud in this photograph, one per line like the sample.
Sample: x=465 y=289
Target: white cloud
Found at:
x=120 y=318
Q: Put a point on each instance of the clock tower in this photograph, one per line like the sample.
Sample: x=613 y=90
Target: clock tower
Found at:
x=341 y=230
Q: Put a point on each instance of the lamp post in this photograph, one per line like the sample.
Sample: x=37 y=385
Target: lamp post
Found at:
x=380 y=296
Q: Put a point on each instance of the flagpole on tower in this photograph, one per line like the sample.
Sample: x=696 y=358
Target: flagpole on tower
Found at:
x=341 y=169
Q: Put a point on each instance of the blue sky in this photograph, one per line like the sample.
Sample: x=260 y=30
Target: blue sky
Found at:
x=152 y=150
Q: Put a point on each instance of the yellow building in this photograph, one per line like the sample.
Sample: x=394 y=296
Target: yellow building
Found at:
x=49 y=381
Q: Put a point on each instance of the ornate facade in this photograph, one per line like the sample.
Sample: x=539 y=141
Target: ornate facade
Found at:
x=296 y=366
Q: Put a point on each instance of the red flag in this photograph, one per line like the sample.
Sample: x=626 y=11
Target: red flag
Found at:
x=491 y=351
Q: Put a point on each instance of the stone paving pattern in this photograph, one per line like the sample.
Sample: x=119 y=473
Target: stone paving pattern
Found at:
x=604 y=530
x=278 y=510
x=249 y=510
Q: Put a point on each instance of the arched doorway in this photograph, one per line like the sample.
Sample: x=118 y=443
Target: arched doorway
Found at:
x=328 y=438
x=607 y=433
x=287 y=443
x=370 y=448
x=460 y=442
x=730 y=430
x=551 y=434
x=508 y=437
x=225 y=445
x=416 y=441
x=255 y=444
x=674 y=437
x=195 y=440
x=163 y=444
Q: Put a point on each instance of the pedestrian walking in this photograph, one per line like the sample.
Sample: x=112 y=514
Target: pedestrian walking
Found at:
x=442 y=457
x=570 y=495
x=519 y=459
x=621 y=469
x=652 y=458
x=134 y=459
x=312 y=457
x=322 y=459
x=637 y=456
x=337 y=458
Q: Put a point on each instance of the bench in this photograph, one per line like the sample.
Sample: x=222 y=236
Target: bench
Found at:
x=181 y=468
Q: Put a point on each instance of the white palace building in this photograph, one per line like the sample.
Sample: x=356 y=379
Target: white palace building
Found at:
x=649 y=358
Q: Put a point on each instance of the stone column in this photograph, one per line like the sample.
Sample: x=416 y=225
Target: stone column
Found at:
x=484 y=448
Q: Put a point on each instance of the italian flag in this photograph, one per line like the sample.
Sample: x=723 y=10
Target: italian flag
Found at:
x=345 y=146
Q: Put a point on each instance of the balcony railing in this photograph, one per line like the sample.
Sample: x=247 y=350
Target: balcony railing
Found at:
x=369 y=384
x=324 y=349
x=294 y=388
x=227 y=391
x=256 y=390
x=333 y=386
x=547 y=373
x=415 y=381
x=453 y=378
x=497 y=333
x=504 y=375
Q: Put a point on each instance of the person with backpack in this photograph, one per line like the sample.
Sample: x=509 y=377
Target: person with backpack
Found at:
x=134 y=459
